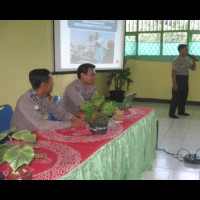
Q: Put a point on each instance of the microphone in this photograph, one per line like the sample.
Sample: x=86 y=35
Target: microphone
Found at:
x=192 y=57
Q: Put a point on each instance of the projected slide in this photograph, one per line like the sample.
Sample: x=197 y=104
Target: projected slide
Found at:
x=100 y=42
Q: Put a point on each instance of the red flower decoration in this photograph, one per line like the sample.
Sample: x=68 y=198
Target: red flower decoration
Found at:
x=94 y=118
x=100 y=113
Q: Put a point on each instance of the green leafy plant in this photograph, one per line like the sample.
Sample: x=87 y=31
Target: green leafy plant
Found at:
x=119 y=78
x=18 y=154
x=97 y=110
x=124 y=105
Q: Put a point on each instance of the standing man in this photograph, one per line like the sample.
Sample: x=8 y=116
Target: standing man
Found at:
x=36 y=102
x=180 y=74
x=79 y=90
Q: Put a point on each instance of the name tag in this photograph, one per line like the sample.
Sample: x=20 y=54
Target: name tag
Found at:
x=36 y=107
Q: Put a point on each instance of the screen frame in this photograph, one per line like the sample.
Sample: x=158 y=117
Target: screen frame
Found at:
x=75 y=69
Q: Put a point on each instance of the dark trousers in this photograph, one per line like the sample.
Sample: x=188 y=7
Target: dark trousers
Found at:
x=179 y=97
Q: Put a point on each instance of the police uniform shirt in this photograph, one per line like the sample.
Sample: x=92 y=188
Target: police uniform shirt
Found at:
x=181 y=65
x=75 y=94
x=30 y=111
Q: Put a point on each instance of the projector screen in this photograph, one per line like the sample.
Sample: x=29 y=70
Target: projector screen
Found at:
x=100 y=42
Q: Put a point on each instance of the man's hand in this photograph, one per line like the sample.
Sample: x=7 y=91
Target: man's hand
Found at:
x=78 y=122
x=80 y=114
x=175 y=87
x=193 y=63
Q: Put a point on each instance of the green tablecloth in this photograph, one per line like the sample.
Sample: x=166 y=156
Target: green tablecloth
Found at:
x=123 y=158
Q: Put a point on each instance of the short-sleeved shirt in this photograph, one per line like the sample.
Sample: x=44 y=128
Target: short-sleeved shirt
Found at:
x=30 y=111
x=181 y=65
x=75 y=94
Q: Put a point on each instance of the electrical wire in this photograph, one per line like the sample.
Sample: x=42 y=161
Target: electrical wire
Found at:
x=177 y=155
x=196 y=151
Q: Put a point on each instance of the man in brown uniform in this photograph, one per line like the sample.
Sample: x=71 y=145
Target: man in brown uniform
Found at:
x=180 y=73
x=79 y=90
x=36 y=102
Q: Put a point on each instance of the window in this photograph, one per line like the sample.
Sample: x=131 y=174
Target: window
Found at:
x=130 y=45
x=149 y=44
x=171 y=40
x=158 y=39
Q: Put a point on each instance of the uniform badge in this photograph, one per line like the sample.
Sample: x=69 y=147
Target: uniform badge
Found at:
x=51 y=98
x=91 y=90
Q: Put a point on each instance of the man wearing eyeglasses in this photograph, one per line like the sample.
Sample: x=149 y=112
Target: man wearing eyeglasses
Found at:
x=79 y=90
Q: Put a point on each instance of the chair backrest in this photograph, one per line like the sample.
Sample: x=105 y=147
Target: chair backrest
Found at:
x=5 y=117
x=58 y=101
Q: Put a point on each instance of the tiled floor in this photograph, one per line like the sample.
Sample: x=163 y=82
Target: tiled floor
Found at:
x=173 y=135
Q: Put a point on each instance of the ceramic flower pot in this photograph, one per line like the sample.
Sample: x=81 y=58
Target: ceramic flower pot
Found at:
x=1 y=176
x=117 y=95
x=22 y=173
x=98 y=129
x=118 y=114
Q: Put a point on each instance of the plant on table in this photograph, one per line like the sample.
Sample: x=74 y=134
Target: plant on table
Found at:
x=18 y=153
x=124 y=105
x=97 y=110
x=120 y=107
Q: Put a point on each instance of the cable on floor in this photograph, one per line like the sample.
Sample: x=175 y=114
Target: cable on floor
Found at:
x=177 y=155
x=189 y=158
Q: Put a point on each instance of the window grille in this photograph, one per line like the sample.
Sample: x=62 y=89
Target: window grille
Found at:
x=171 y=40
x=130 y=45
x=149 y=44
x=175 y=25
x=159 y=39
x=150 y=25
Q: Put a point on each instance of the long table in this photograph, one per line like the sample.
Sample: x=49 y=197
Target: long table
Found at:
x=124 y=152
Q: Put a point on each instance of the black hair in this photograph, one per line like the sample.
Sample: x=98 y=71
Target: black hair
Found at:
x=181 y=46
x=37 y=76
x=84 y=69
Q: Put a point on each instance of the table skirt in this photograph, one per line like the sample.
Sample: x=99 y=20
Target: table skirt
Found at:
x=123 y=158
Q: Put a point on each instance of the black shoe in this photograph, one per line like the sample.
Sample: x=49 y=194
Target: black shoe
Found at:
x=185 y=114
x=173 y=116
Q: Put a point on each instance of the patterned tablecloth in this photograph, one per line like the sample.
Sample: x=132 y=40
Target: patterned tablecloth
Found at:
x=68 y=148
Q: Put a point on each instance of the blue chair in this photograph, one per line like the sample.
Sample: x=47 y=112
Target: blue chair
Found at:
x=58 y=101
x=5 y=118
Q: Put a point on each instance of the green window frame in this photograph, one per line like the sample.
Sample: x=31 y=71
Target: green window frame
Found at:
x=157 y=40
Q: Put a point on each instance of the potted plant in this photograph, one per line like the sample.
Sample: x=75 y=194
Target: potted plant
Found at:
x=121 y=106
x=97 y=111
x=120 y=78
x=18 y=154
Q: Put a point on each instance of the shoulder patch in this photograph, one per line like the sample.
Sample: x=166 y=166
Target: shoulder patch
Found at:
x=77 y=88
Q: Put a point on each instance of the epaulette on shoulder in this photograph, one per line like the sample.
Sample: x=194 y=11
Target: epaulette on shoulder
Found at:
x=35 y=97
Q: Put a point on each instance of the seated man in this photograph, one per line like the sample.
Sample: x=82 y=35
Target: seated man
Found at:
x=79 y=90
x=36 y=102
